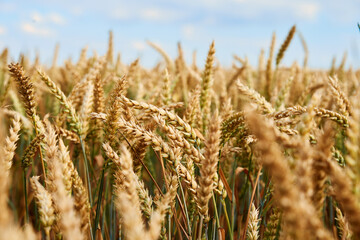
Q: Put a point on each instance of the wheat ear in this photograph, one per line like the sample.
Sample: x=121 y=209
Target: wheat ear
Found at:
x=68 y=108
x=287 y=194
x=285 y=45
x=127 y=202
x=206 y=85
x=253 y=226
x=208 y=166
x=10 y=144
x=69 y=220
x=45 y=205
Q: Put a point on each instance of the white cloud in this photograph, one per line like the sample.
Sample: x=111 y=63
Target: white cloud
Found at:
x=346 y=13
x=156 y=14
x=161 y=14
x=145 y=13
x=188 y=31
x=36 y=17
x=301 y=9
x=56 y=18
x=307 y=10
x=121 y=13
x=48 y=18
x=304 y=10
x=7 y=7
x=138 y=45
x=76 y=10
x=3 y=30
x=35 y=30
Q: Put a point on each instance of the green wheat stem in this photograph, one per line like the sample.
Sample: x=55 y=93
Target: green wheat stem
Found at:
x=216 y=211
x=185 y=208
x=40 y=152
x=227 y=219
x=87 y=180
x=86 y=163
x=101 y=189
x=26 y=197
x=200 y=226
x=169 y=222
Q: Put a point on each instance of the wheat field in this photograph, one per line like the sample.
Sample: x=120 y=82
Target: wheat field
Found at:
x=100 y=149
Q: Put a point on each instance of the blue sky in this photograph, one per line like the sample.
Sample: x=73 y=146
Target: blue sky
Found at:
x=241 y=27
